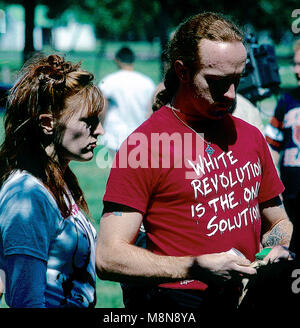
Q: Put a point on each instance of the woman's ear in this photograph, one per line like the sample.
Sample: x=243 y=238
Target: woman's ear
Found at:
x=182 y=71
x=46 y=123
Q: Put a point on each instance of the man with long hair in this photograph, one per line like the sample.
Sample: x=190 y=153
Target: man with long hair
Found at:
x=208 y=198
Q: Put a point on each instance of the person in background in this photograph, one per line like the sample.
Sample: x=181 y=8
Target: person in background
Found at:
x=127 y=94
x=245 y=110
x=283 y=136
x=47 y=243
x=202 y=230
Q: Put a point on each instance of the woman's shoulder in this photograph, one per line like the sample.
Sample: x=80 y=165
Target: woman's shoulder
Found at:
x=23 y=185
x=22 y=181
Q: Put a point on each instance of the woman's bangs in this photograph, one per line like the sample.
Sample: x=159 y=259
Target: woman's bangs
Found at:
x=94 y=100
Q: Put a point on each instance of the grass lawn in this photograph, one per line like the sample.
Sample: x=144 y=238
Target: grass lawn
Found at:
x=147 y=55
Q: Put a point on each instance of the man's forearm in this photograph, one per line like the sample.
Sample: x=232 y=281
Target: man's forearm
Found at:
x=279 y=234
x=135 y=264
x=119 y=260
x=138 y=265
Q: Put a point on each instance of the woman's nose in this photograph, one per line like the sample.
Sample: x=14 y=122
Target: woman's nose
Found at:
x=99 y=130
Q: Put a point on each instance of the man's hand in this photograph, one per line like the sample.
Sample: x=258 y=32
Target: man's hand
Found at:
x=279 y=252
x=225 y=265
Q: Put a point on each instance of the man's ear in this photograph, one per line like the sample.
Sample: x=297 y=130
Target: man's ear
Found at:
x=46 y=123
x=182 y=71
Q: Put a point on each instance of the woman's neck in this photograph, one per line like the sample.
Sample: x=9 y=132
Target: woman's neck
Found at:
x=51 y=152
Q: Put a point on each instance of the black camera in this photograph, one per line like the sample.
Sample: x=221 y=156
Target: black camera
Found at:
x=261 y=77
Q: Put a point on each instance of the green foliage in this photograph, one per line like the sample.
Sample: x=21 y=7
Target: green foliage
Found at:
x=147 y=20
x=97 y=64
x=119 y=19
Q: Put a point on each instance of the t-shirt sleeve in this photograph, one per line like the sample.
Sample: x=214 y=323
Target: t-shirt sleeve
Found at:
x=128 y=183
x=29 y=220
x=26 y=277
x=271 y=185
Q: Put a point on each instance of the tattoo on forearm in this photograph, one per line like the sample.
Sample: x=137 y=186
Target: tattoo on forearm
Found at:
x=279 y=235
x=117 y=213
x=112 y=213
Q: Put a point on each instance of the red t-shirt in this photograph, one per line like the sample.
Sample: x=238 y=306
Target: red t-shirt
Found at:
x=193 y=202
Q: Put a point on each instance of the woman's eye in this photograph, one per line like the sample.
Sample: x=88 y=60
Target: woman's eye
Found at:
x=87 y=121
x=91 y=122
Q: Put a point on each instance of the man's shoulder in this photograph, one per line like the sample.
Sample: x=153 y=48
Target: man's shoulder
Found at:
x=158 y=122
x=111 y=76
x=243 y=125
x=128 y=78
x=142 y=76
x=139 y=80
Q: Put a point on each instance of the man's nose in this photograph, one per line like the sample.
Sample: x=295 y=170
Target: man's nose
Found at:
x=231 y=92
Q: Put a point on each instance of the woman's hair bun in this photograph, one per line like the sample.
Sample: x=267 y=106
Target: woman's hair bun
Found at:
x=60 y=65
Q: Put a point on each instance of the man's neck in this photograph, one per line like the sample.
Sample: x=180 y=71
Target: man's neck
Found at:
x=126 y=67
x=185 y=109
x=194 y=121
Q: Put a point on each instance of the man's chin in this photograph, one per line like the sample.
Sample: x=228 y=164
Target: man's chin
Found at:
x=220 y=113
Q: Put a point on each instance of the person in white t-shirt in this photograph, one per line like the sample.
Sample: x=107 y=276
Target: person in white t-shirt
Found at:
x=127 y=94
x=248 y=112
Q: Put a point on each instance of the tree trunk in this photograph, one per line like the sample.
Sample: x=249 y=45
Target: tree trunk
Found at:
x=164 y=36
x=29 y=7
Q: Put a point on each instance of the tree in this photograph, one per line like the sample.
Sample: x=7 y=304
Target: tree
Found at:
x=55 y=9
x=137 y=19
x=269 y=15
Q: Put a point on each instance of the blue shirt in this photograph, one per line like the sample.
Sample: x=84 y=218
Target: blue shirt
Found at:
x=32 y=231
x=283 y=134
